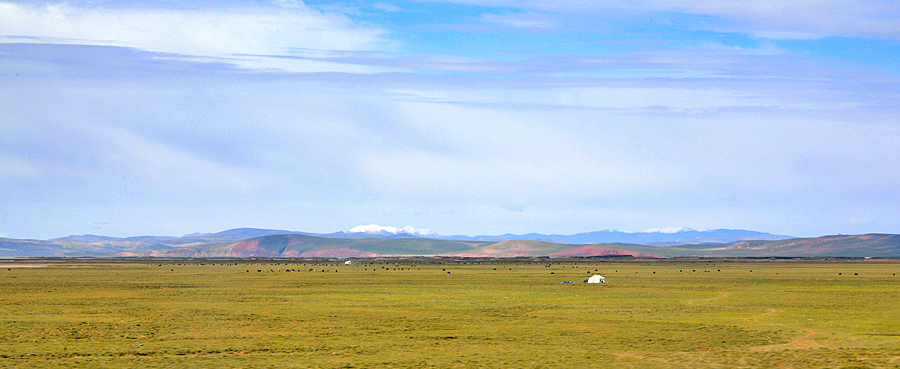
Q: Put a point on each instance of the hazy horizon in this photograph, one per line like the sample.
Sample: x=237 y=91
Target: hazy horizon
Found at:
x=426 y=233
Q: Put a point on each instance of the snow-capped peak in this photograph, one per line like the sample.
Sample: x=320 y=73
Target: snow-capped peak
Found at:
x=374 y=228
x=667 y=230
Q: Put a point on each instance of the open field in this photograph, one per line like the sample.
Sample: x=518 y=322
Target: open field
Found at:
x=412 y=313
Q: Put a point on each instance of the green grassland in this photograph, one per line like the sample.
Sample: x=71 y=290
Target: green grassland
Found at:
x=400 y=313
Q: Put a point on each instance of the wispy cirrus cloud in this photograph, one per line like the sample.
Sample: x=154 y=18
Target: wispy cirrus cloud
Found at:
x=521 y=20
x=788 y=19
x=222 y=34
x=493 y=117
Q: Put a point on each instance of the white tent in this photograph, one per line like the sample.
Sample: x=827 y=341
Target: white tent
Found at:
x=596 y=278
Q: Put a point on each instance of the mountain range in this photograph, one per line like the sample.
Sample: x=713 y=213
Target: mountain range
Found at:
x=681 y=236
x=378 y=241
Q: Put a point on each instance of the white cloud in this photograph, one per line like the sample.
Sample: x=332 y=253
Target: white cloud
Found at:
x=670 y=98
x=804 y=19
x=387 y=7
x=731 y=137
x=169 y=167
x=244 y=36
x=289 y=3
x=782 y=19
x=862 y=219
x=521 y=20
x=13 y=167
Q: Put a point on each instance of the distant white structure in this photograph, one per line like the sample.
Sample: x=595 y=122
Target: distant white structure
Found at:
x=596 y=278
x=348 y=262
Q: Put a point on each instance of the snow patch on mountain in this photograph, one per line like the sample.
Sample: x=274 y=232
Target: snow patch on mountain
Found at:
x=374 y=228
x=669 y=230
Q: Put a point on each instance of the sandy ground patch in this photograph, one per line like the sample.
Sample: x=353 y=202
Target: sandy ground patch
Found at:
x=10 y=266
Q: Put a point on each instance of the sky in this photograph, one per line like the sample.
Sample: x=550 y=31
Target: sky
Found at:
x=167 y=117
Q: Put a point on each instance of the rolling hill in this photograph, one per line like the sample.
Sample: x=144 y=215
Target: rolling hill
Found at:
x=514 y=248
x=683 y=236
x=273 y=243
x=531 y=248
x=871 y=245
x=867 y=245
x=297 y=245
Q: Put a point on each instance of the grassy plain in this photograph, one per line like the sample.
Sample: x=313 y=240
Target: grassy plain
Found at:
x=404 y=313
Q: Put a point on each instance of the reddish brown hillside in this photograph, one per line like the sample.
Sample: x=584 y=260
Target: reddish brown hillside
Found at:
x=867 y=245
x=248 y=248
x=340 y=253
x=601 y=251
x=514 y=248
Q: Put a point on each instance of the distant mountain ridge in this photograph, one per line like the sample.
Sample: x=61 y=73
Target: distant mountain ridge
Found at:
x=869 y=245
x=231 y=234
x=683 y=236
x=299 y=245
x=256 y=242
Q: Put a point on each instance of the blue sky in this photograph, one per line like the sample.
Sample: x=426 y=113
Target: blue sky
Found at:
x=469 y=117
